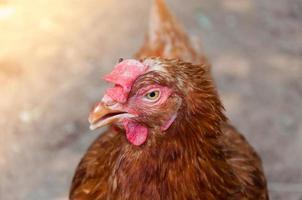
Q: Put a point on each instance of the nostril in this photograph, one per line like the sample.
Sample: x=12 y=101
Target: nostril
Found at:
x=110 y=103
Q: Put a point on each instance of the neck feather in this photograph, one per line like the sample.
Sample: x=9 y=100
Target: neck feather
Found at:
x=189 y=159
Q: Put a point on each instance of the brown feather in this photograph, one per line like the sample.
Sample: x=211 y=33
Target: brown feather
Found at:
x=200 y=156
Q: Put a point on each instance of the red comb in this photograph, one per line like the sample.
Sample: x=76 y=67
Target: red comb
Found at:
x=123 y=75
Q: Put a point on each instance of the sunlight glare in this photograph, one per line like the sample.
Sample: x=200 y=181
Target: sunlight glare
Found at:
x=6 y=12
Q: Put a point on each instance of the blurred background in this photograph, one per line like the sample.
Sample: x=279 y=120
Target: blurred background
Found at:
x=53 y=53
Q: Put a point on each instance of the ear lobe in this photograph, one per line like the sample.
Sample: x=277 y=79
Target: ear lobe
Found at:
x=168 y=123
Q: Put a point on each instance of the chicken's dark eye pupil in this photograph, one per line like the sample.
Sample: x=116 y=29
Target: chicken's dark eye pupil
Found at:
x=152 y=94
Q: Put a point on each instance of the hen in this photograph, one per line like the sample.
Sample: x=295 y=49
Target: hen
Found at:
x=169 y=137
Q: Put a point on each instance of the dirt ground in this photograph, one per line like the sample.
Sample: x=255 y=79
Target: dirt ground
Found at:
x=53 y=53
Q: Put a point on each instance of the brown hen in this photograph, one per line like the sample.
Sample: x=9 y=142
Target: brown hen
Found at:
x=169 y=138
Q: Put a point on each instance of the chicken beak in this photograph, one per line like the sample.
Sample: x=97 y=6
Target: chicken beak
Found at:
x=103 y=115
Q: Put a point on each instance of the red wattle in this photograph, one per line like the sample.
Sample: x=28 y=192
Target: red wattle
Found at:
x=136 y=134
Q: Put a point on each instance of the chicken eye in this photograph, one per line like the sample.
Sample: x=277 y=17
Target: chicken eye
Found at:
x=153 y=95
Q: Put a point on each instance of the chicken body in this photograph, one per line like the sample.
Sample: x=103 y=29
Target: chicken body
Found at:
x=189 y=150
x=106 y=173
